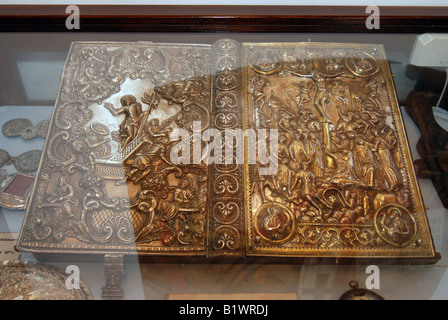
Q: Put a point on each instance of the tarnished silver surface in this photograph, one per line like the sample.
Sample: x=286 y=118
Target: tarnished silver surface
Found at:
x=26 y=162
x=35 y=281
x=16 y=127
x=107 y=182
x=24 y=128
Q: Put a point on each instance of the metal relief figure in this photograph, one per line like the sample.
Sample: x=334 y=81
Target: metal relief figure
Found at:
x=397 y=229
x=185 y=195
x=342 y=151
x=366 y=168
x=62 y=197
x=297 y=151
x=273 y=108
x=300 y=94
x=133 y=118
x=386 y=160
x=322 y=96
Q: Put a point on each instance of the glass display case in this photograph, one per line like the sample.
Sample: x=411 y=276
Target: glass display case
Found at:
x=94 y=202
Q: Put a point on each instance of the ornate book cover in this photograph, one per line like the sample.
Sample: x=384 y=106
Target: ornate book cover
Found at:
x=229 y=149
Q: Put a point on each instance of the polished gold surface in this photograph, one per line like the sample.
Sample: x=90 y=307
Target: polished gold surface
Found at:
x=344 y=184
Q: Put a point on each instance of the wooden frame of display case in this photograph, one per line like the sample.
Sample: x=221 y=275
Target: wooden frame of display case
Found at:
x=206 y=18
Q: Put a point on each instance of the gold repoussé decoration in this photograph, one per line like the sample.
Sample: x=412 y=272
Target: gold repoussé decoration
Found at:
x=345 y=184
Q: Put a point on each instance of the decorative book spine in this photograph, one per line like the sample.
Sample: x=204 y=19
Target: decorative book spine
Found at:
x=226 y=222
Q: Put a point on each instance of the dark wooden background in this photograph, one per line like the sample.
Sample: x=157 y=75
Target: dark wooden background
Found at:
x=206 y=18
x=32 y=28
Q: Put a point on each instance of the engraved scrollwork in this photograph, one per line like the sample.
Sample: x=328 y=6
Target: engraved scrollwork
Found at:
x=226 y=183
x=40 y=232
x=226 y=219
x=226 y=120
x=88 y=68
x=348 y=236
x=331 y=237
x=226 y=81
x=196 y=112
x=99 y=71
x=226 y=212
x=60 y=149
x=135 y=63
x=310 y=234
x=120 y=227
x=226 y=63
x=72 y=115
x=366 y=237
x=226 y=47
x=226 y=238
x=188 y=63
x=107 y=219
x=226 y=99
x=227 y=165
x=334 y=236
